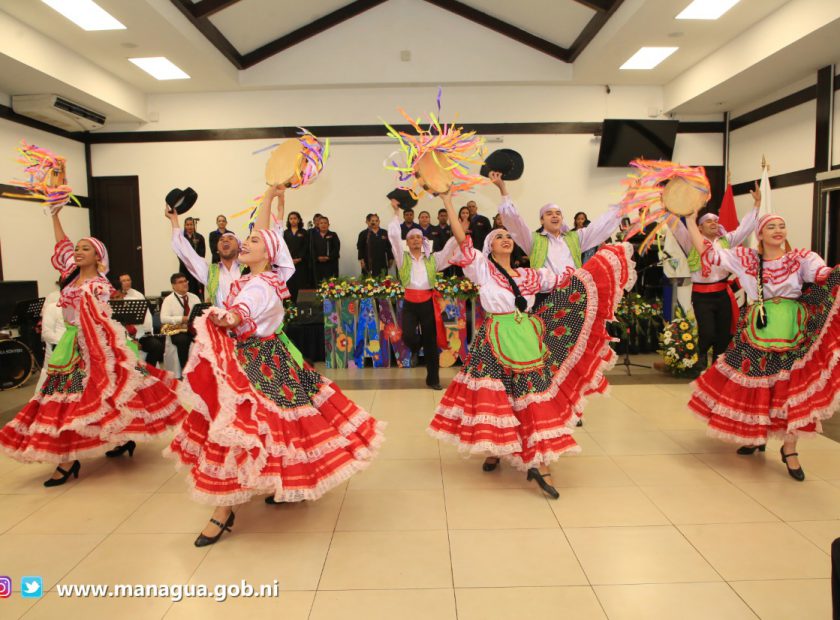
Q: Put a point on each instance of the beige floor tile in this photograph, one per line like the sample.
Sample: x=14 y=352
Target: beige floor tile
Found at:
x=404 y=446
x=821 y=533
x=678 y=390
x=256 y=517
x=606 y=414
x=8 y=464
x=387 y=561
x=578 y=602
x=384 y=605
x=747 y=469
x=513 y=558
x=630 y=555
x=407 y=475
x=667 y=469
x=26 y=554
x=588 y=471
x=295 y=560
x=784 y=600
x=674 y=417
x=29 y=480
x=818 y=443
x=812 y=500
x=636 y=442
x=820 y=463
x=121 y=475
x=686 y=601
x=288 y=606
x=698 y=442
x=747 y=551
x=392 y=511
x=712 y=503
x=588 y=446
x=461 y=473
x=126 y=558
x=605 y=506
x=498 y=509
x=54 y=606
x=177 y=483
x=363 y=398
x=74 y=513
x=15 y=508
x=169 y=513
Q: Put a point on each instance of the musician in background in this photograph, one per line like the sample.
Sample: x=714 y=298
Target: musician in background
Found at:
x=196 y=240
x=151 y=346
x=175 y=315
x=325 y=250
x=52 y=328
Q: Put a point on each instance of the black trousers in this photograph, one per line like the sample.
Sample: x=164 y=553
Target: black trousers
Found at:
x=422 y=314
x=713 y=312
x=182 y=342
x=835 y=579
x=153 y=348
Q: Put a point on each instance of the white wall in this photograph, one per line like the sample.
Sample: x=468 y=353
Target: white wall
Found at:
x=26 y=233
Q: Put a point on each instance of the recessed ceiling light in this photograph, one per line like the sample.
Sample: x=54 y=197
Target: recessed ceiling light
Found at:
x=160 y=68
x=648 y=57
x=707 y=9
x=86 y=14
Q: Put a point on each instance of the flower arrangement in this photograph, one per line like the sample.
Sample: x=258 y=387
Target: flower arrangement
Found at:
x=633 y=308
x=389 y=287
x=678 y=342
x=291 y=311
x=455 y=287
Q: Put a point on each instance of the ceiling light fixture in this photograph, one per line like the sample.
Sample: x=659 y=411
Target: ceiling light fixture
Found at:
x=648 y=57
x=707 y=9
x=160 y=68
x=86 y=14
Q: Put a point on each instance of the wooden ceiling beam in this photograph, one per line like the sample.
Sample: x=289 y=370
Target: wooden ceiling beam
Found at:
x=211 y=33
x=308 y=31
x=597 y=5
x=503 y=28
x=591 y=29
x=206 y=8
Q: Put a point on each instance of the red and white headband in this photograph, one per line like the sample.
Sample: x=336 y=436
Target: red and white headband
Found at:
x=766 y=219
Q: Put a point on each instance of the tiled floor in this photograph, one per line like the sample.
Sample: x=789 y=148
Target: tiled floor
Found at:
x=654 y=521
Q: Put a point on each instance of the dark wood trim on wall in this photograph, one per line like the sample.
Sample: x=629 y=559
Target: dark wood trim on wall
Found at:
x=774 y=107
x=10 y=115
x=13 y=192
x=365 y=131
x=822 y=152
x=779 y=181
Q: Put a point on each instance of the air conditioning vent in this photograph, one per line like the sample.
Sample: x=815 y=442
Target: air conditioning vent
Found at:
x=58 y=112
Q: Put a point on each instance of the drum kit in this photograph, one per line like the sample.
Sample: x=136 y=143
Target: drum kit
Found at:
x=17 y=361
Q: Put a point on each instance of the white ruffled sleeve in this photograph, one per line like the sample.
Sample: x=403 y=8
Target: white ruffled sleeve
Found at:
x=475 y=265
x=814 y=269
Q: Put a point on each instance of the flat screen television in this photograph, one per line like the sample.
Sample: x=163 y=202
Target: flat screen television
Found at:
x=623 y=140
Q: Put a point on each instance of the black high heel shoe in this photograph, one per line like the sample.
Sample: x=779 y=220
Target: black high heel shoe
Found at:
x=492 y=465
x=120 y=450
x=204 y=541
x=534 y=474
x=747 y=450
x=65 y=475
x=796 y=474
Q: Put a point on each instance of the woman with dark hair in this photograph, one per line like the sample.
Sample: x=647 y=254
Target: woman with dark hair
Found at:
x=297 y=240
x=582 y=221
x=221 y=229
x=97 y=392
x=522 y=387
x=196 y=240
x=780 y=376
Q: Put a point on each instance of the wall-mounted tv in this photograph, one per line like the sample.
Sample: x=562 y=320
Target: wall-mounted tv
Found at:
x=623 y=140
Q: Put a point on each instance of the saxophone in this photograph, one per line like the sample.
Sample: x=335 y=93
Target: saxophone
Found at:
x=170 y=329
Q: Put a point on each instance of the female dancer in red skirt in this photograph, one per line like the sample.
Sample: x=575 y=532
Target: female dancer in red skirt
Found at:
x=263 y=422
x=519 y=393
x=779 y=377
x=97 y=392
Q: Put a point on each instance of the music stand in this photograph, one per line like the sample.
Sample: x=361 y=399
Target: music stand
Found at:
x=129 y=311
x=196 y=311
x=27 y=310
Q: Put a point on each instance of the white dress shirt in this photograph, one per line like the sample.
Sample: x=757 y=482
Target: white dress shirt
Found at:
x=146 y=327
x=419 y=278
x=559 y=258
x=172 y=308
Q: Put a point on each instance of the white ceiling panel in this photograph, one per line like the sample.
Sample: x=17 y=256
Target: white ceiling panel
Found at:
x=250 y=24
x=557 y=21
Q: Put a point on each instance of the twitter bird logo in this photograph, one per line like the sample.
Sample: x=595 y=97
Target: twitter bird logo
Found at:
x=31 y=587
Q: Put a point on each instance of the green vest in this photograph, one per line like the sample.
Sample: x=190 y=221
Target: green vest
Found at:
x=405 y=270
x=539 y=249
x=213 y=282
x=694 y=256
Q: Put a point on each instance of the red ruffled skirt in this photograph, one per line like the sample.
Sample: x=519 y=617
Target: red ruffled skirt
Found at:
x=103 y=396
x=752 y=392
x=527 y=416
x=262 y=424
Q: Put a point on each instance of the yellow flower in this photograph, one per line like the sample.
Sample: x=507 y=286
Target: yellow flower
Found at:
x=373 y=346
x=686 y=337
x=689 y=346
x=683 y=325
